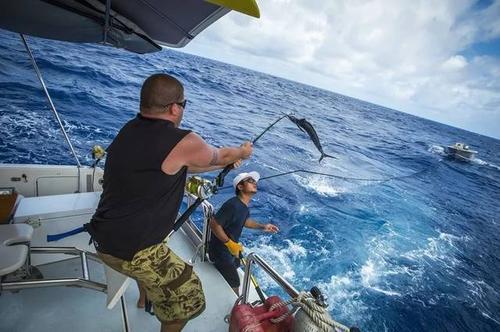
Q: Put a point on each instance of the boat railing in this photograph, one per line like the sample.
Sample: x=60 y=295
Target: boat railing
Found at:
x=199 y=238
x=252 y=259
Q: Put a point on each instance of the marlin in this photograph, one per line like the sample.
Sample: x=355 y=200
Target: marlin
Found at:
x=308 y=128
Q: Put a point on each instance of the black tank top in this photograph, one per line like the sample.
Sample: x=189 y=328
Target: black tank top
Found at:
x=139 y=202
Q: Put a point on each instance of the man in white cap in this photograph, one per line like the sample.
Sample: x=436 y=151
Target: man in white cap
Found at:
x=224 y=248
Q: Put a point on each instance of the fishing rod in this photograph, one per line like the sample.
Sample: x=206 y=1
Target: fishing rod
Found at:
x=219 y=180
x=302 y=124
x=204 y=189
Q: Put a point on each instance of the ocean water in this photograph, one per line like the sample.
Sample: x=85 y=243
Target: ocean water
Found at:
x=411 y=254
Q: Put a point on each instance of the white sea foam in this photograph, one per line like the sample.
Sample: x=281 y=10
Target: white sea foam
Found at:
x=372 y=274
x=368 y=273
x=485 y=163
x=281 y=258
x=386 y=292
x=437 y=149
x=343 y=294
x=320 y=184
x=489 y=317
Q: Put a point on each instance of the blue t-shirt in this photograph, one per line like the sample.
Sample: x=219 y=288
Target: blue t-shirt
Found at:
x=231 y=216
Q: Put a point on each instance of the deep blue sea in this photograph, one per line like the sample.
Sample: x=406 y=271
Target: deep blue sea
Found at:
x=420 y=253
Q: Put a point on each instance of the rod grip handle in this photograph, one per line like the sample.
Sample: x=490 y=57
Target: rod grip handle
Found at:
x=220 y=178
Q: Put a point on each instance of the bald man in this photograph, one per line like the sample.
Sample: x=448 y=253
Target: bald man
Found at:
x=144 y=179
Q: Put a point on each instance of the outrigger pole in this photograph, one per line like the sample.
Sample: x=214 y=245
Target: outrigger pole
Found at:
x=52 y=107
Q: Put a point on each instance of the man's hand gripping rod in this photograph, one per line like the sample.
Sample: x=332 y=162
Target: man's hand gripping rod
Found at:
x=219 y=180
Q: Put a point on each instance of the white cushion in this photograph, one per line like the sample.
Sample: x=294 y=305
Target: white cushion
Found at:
x=12 y=258
x=15 y=233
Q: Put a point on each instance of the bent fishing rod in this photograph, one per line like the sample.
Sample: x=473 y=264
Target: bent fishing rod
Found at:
x=219 y=180
x=204 y=189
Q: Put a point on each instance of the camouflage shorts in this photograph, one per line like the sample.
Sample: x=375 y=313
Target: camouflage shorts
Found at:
x=171 y=285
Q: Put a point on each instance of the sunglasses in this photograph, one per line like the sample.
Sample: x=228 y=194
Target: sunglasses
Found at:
x=250 y=180
x=182 y=103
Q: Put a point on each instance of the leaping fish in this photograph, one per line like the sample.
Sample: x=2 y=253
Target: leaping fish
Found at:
x=305 y=126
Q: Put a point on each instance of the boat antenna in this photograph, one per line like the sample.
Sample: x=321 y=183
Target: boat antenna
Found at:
x=52 y=107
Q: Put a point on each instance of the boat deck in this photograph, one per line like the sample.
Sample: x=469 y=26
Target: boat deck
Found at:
x=78 y=309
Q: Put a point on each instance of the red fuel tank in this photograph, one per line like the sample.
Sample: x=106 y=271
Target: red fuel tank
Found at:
x=245 y=318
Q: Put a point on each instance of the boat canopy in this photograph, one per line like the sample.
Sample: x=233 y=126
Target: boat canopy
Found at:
x=140 y=26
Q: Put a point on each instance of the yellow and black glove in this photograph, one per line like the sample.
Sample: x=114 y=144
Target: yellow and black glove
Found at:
x=235 y=248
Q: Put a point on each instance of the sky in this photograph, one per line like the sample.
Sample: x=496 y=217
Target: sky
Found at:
x=437 y=59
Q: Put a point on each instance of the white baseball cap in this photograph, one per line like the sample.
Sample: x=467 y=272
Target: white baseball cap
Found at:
x=242 y=176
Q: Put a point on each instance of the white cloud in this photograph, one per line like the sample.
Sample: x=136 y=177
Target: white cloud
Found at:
x=455 y=62
x=403 y=54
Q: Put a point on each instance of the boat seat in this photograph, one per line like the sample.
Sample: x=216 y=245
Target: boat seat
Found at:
x=14 y=247
x=15 y=253
x=15 y=233
x=12 y=258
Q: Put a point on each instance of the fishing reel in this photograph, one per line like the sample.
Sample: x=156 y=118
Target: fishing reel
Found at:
x=200 y=187
x=98 y=153
x=319 y=297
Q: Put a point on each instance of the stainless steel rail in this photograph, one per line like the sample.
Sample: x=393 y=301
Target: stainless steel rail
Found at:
x=199 y=238
x=44 y=283
x=83 y=282
x=254 y=258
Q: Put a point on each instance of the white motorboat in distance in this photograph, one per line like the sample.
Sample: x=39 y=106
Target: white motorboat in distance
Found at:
x=461 y=151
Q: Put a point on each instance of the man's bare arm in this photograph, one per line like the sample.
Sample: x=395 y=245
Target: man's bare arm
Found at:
x=192 y=151
x=250 y=223
x=270 y=228
x=195 y=170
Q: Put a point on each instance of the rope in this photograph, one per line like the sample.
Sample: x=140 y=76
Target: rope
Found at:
x=279 y=305
x=317 y=313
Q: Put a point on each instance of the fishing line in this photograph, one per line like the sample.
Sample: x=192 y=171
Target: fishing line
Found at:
x=343 y=177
